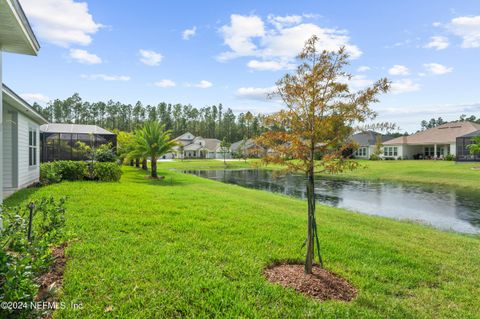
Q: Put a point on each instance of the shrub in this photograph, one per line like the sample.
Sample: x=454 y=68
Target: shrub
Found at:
x=450 y=157
x=374 y=157
x=107 y=172
x=105 y=153
x=55 y=172
x=49 y=174
x=71 y=170
x=22 y=262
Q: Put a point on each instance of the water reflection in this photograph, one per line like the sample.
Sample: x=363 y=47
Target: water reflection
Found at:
x=442 y=207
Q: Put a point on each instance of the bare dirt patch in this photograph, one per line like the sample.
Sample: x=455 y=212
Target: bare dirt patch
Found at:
x=321 y=284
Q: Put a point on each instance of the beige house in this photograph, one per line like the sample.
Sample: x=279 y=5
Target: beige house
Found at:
x=192 y=146
x=434 y=143
x=19 y=122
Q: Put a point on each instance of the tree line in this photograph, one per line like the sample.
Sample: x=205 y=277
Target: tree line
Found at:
x=213 y=121
x=425 y=125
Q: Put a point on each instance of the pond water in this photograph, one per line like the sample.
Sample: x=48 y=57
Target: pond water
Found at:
x=442 y=207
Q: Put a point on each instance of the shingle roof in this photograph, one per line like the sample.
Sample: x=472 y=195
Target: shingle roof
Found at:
x=473 y=134
x=73 y=128
x=211 y=144
x=369 y=138
x=446 y=133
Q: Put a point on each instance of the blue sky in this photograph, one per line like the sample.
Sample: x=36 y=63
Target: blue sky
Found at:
x=232 y=52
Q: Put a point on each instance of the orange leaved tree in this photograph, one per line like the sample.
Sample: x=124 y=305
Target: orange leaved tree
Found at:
x=311 y=135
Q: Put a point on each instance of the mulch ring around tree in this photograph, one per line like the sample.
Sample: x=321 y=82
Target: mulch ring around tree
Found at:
x=321 y=284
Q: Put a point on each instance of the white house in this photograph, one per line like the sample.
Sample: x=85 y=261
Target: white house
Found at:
x=366 y=143
x=19 y=123
x=192 y=146
x=433 y=143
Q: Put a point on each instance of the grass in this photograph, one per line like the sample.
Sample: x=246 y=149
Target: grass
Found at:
x=191 y=247
x=446 y=173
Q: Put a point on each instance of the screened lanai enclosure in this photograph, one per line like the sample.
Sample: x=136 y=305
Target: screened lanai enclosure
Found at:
x=60 y=141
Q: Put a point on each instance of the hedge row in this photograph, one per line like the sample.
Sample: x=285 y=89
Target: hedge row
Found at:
x=54 y=172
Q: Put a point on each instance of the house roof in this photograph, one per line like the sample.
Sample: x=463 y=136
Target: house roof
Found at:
x=74 y=128
x=369 y=138
x=211 y=144
x=11 y=98
x=184 y=136
x=248 y=143
x=446 y=133
x=473 y=134
x=16 y=34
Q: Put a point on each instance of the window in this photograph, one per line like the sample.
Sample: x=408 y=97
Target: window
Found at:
x=390 y=151
x=362 y=152
x=32 y=147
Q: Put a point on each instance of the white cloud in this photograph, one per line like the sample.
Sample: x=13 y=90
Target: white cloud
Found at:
x=284 y=21
x=204 y=84
x=188 y=33
x=438 y=43
x=165 y=83
x=436 y=24
x=105 y=77
x=150 y=57
x=359 y=82
x=238 y=36
x=404 y=86
x=255 y=93
x=35 y=97
x=398 y=69
x=61 y=22
x=436 y=68
x=269 y=65
x=468 y=28
x=248 y=36
x=363 y=68
x=83 y=56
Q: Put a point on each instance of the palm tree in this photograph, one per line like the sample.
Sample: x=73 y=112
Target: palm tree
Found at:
x=153 y=141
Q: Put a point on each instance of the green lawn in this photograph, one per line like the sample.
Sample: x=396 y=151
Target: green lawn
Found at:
x=191 y=247
x=434 y=172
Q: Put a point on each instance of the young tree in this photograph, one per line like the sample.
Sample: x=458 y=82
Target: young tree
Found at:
x=475 y=148
x=225 y=148
x=243 y=149
x=377 y=150
x=320 y=115
x=153 y=141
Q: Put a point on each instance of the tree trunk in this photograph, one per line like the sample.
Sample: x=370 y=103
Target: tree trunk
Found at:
x=137 y=162
x=144 y=164
x=131 y=162
x=154 y=167
x=311 y=222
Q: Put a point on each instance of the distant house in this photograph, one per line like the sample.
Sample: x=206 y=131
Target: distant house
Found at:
x=463 y=153
x=249 y=148
x=366 y=143
x=19 y=122
x=197 y=147
x=59 y=141
x=434 y=143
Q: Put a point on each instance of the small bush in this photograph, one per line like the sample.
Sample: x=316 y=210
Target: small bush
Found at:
x=375 y=157
x=21 y=262
x=105 y=153
x=71 y=170
x=49 y=174
x=107 y=172
x=54 y=172
x=450 y=157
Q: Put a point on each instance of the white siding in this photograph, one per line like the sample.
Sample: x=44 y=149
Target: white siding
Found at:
x=27 y=175
x=7 y=155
